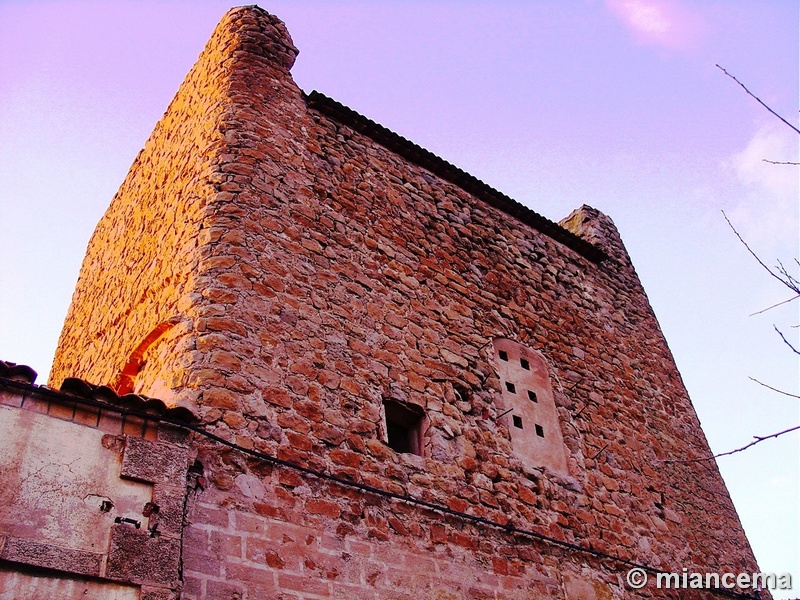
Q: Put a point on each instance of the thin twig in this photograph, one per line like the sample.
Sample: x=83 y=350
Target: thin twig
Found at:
x=773 y=306
x=788 y=277
x=772 y=388
x=779 y=162
x=757 y=440
x=785 y=341
x=758 y=99
x=750 y=250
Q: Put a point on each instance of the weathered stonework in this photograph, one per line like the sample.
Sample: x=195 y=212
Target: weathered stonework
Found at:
x=282 y=267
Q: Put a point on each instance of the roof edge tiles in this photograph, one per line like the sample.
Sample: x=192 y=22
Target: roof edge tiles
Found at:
x=449 y=172
x=22 y=377
x=15 y=372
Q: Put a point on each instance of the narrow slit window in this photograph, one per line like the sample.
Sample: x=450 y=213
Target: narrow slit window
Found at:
x=517 y=422
x=532 y=396
x=403 y=427
x=525 y=364
x=540 y=431
x=511 y=387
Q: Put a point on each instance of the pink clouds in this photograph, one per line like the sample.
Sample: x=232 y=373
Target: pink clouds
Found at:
x=664 y=23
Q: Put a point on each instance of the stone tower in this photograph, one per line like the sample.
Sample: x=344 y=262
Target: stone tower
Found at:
x=464 y=399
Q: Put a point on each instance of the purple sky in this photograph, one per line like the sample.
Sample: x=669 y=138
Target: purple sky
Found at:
x=616 y=104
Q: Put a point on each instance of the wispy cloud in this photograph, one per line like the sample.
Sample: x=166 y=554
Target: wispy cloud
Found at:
x=664 y=23
x=771 y=141
x=769 y=213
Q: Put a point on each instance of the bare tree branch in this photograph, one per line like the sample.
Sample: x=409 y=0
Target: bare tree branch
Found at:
x=758 y=312
x=781 y=274
x=757 y=439
x=773 y=389
x=751 y=94
x=785 y=341
x=782 y=270
x=778 y=162
x=788 y=282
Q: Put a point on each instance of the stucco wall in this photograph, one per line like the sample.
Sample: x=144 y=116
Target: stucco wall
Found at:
x=24 y=586
x=91 y=501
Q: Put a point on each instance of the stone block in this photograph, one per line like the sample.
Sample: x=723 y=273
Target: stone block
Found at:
x=135 y=556
x=154 y=462
x=47 y=556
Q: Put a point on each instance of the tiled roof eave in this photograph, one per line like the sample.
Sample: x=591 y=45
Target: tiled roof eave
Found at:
x=449 y=172
x=21 y=378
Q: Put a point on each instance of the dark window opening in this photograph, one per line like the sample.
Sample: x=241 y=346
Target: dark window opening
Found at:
x=525 y=364
x=503 y=355
x=517 y=421
x=532 y=396
x=404 y=427
x=511 y=387
x=540 y=431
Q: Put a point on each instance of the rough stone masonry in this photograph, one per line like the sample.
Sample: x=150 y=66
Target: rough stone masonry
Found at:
x=320 y=290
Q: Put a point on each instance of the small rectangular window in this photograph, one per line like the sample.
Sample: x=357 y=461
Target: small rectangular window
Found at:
x=532 y=396
x=517 y=421
x=525 y=364
x=511 y=387
x=503 y=355
x=540 y=431
x=403 y=427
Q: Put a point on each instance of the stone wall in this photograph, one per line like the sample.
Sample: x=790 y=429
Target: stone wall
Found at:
x=145 y=255
x=312 y=275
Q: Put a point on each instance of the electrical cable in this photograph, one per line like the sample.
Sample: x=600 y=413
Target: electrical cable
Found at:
x=360 y=486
